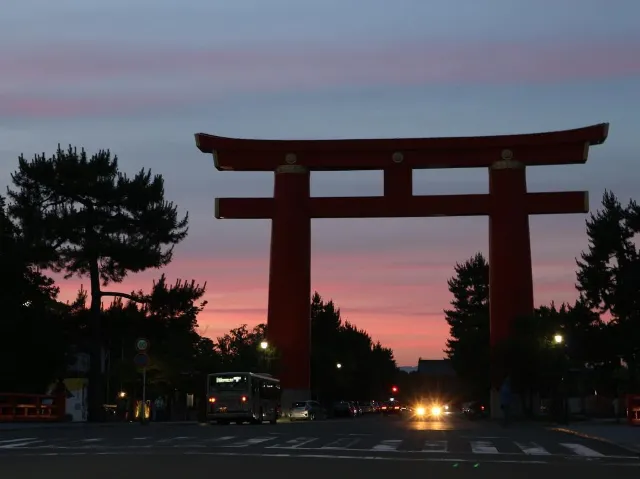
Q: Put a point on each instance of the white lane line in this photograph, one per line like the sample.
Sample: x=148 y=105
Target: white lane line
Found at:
x=581 y=450
x=435 y=446
x=388 y=445
x=342 y=443
x=293 y=443
x=532 y=449
x=483 y=447
x=140 y=438
x=95 y=439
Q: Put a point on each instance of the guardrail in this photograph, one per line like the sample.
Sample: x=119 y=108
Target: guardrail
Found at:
x=16 y=407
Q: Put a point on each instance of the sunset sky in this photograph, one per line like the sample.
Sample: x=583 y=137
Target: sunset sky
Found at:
x=140 y=77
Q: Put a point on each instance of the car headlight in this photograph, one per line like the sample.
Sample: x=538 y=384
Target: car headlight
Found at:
x=420 y=411
x=435 y=410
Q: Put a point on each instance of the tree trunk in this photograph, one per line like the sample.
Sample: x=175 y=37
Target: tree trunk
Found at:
x=96 y=387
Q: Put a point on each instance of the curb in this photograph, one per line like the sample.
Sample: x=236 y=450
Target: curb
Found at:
x=584 y=435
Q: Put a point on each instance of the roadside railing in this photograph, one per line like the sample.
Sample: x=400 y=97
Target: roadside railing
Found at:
x=16 y=407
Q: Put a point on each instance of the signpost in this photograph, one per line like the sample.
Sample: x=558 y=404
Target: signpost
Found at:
x=141 y=360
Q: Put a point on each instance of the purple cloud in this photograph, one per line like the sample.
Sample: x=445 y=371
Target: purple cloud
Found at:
x=188 y=76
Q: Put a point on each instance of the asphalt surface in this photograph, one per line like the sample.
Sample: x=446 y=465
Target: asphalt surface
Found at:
x=453 y=447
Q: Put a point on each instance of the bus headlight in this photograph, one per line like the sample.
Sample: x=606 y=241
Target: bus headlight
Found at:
x=420 y=411
x=436 y=411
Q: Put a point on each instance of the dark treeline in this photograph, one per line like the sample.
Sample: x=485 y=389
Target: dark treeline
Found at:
x=597 y=338
x=78 y=215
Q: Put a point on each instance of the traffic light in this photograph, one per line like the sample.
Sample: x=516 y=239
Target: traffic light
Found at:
x=394 y=389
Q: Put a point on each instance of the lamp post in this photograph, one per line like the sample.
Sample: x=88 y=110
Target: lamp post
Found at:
x=266 y=359
x=563 y=407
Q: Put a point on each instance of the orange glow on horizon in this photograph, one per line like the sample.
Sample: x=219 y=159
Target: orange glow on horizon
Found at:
x=399 y=303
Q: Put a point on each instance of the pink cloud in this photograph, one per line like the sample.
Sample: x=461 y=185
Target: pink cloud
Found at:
x=221 y=72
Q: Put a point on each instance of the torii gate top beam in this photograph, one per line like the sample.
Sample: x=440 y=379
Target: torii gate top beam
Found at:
x=537 y=149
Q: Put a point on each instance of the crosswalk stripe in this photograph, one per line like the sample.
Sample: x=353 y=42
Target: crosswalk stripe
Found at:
x=435 y=446
x=581 y=450
x=342 y=443
x=20 y=439
x=388 y=445
x=483 y=447
x=177 y=438
x=252 y=441
x=220 y=439
x=19 y=444
x=532 y=449
x=294 y=443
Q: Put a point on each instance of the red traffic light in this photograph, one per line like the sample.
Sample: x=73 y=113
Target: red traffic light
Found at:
x=394 y=389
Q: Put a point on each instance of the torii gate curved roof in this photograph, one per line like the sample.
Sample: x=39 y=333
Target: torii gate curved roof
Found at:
x=534 y=149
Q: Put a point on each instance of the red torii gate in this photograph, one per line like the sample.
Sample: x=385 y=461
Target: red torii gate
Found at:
x=291 y=209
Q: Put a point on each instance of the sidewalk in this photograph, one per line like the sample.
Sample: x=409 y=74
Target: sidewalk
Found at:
x=621 y=434
x=17 y=426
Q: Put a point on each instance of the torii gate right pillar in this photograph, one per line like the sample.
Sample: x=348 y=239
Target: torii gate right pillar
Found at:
x=510 y=271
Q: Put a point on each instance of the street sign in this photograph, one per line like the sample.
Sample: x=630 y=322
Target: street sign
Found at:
x=142 y=344
x=141 y=360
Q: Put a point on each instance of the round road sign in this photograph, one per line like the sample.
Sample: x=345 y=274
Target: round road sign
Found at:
x=142 y=344
x=141 y=360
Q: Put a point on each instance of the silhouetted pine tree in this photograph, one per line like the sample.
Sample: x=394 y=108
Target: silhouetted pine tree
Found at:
x=82 y=216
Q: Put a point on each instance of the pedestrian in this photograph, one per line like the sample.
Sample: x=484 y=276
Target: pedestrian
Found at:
x=158 y=409
x=505 y=400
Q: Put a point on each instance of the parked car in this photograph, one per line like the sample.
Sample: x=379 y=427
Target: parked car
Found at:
x=355 y=410
x=475 y=410
x=307 y=410
x=369 y=407
x=342 y=409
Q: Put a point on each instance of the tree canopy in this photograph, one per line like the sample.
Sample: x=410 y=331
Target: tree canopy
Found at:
x=80 y=215
x=597 y=331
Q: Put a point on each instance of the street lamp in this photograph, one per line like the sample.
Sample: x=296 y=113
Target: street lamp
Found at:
x=264 y=345
x=558 y=339
x=338 y=365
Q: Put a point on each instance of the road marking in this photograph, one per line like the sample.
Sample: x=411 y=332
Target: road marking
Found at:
x=388 y=445
x=483 y=447
x=581 y=450
x=293 y=443
x=20 y=439
x=435 y=446
x=140 y=438
x=220 y=439
x=342 y=443
x=630 y=461
x=95 y=439
x=252 y=441
x=177 y=438
x=532 y=449
x=11 y=444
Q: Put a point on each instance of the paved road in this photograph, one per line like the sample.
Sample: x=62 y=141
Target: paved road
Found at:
x=368 y=444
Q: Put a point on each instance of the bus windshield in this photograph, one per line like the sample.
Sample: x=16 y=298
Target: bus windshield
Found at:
x=228 y=382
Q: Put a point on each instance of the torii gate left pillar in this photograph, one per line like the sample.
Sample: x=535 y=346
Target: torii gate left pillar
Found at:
x=289 y=311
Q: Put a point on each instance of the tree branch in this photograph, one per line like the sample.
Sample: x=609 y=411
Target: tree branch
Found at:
x=130 y=297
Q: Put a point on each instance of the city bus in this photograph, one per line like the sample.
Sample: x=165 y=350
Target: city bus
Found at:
x=243 y=397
